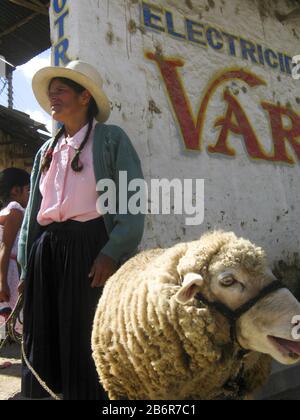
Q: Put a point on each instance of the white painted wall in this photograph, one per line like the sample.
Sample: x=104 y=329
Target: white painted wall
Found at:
x=259 y=200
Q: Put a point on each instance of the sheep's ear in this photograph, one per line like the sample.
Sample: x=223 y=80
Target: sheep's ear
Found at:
x=192 y=284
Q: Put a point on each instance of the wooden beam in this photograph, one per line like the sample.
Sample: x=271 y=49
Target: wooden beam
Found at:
x=39 y=3
x=21 y=22
x=32 y=6
x=18 y=25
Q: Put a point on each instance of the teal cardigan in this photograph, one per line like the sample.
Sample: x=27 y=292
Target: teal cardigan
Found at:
x=112 y=152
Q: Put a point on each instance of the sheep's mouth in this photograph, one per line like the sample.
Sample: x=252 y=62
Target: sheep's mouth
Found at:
x=288 y=348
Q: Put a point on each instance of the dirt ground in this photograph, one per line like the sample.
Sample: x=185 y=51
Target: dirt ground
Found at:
x=10 y=377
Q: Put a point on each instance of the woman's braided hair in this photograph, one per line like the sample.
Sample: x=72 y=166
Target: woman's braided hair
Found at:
x=92 y=113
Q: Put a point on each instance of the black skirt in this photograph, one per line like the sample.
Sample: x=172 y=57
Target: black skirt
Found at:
x=59 y=309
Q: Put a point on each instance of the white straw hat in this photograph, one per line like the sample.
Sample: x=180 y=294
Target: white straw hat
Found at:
x=80 y=72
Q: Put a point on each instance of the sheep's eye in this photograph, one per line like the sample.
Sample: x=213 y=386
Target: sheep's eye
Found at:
x=228 y=281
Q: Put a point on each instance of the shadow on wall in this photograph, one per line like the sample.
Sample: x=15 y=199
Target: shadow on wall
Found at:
x=289 y=273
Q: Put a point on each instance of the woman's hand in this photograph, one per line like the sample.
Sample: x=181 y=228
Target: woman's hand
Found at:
x=103 y=268
x=4 y=293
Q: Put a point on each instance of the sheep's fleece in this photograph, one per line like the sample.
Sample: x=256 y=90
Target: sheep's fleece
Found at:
x=147 y=346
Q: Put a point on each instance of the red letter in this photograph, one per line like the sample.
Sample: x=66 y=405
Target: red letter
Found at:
x=240 y=126
x=281 y=134
x=191 y=127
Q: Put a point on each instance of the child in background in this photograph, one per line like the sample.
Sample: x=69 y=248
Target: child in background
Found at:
x=14 y=196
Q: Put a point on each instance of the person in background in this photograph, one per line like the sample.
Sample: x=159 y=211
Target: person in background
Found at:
x=14 y=195
x=67 y=248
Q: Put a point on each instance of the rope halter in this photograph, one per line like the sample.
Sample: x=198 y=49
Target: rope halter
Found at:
x=234 y=316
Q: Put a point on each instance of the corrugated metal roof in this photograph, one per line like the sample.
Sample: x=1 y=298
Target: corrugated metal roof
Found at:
x=24 y=33
x=21 y=128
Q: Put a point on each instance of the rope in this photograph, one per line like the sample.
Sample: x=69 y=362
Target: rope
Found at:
x=4 y=342
x=10 y=324
x=15 y=336
x=13 y=319
x=37 y=377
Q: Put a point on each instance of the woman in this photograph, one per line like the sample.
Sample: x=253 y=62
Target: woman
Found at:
x=14 y=195
x=67 y=250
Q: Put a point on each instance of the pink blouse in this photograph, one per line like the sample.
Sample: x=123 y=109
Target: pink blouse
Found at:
x=69 y=195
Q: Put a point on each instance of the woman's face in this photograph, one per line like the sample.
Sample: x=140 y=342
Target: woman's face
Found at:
x=66 y=104
x=21 y=195
x=25 y=192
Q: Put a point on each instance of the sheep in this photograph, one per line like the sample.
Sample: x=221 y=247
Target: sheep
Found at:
x=155 y=339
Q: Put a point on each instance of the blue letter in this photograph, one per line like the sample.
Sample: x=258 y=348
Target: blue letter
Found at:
x=60 y=22
x=281 y=62
x=288 y=61
x=260 y=55
x=211 y=43
x=269 y=53
x=60 y=53
x=191 y=31
x=59 y=5
x=231 y=39
x=248 y=49
x=170 y=25
x=148 y=16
